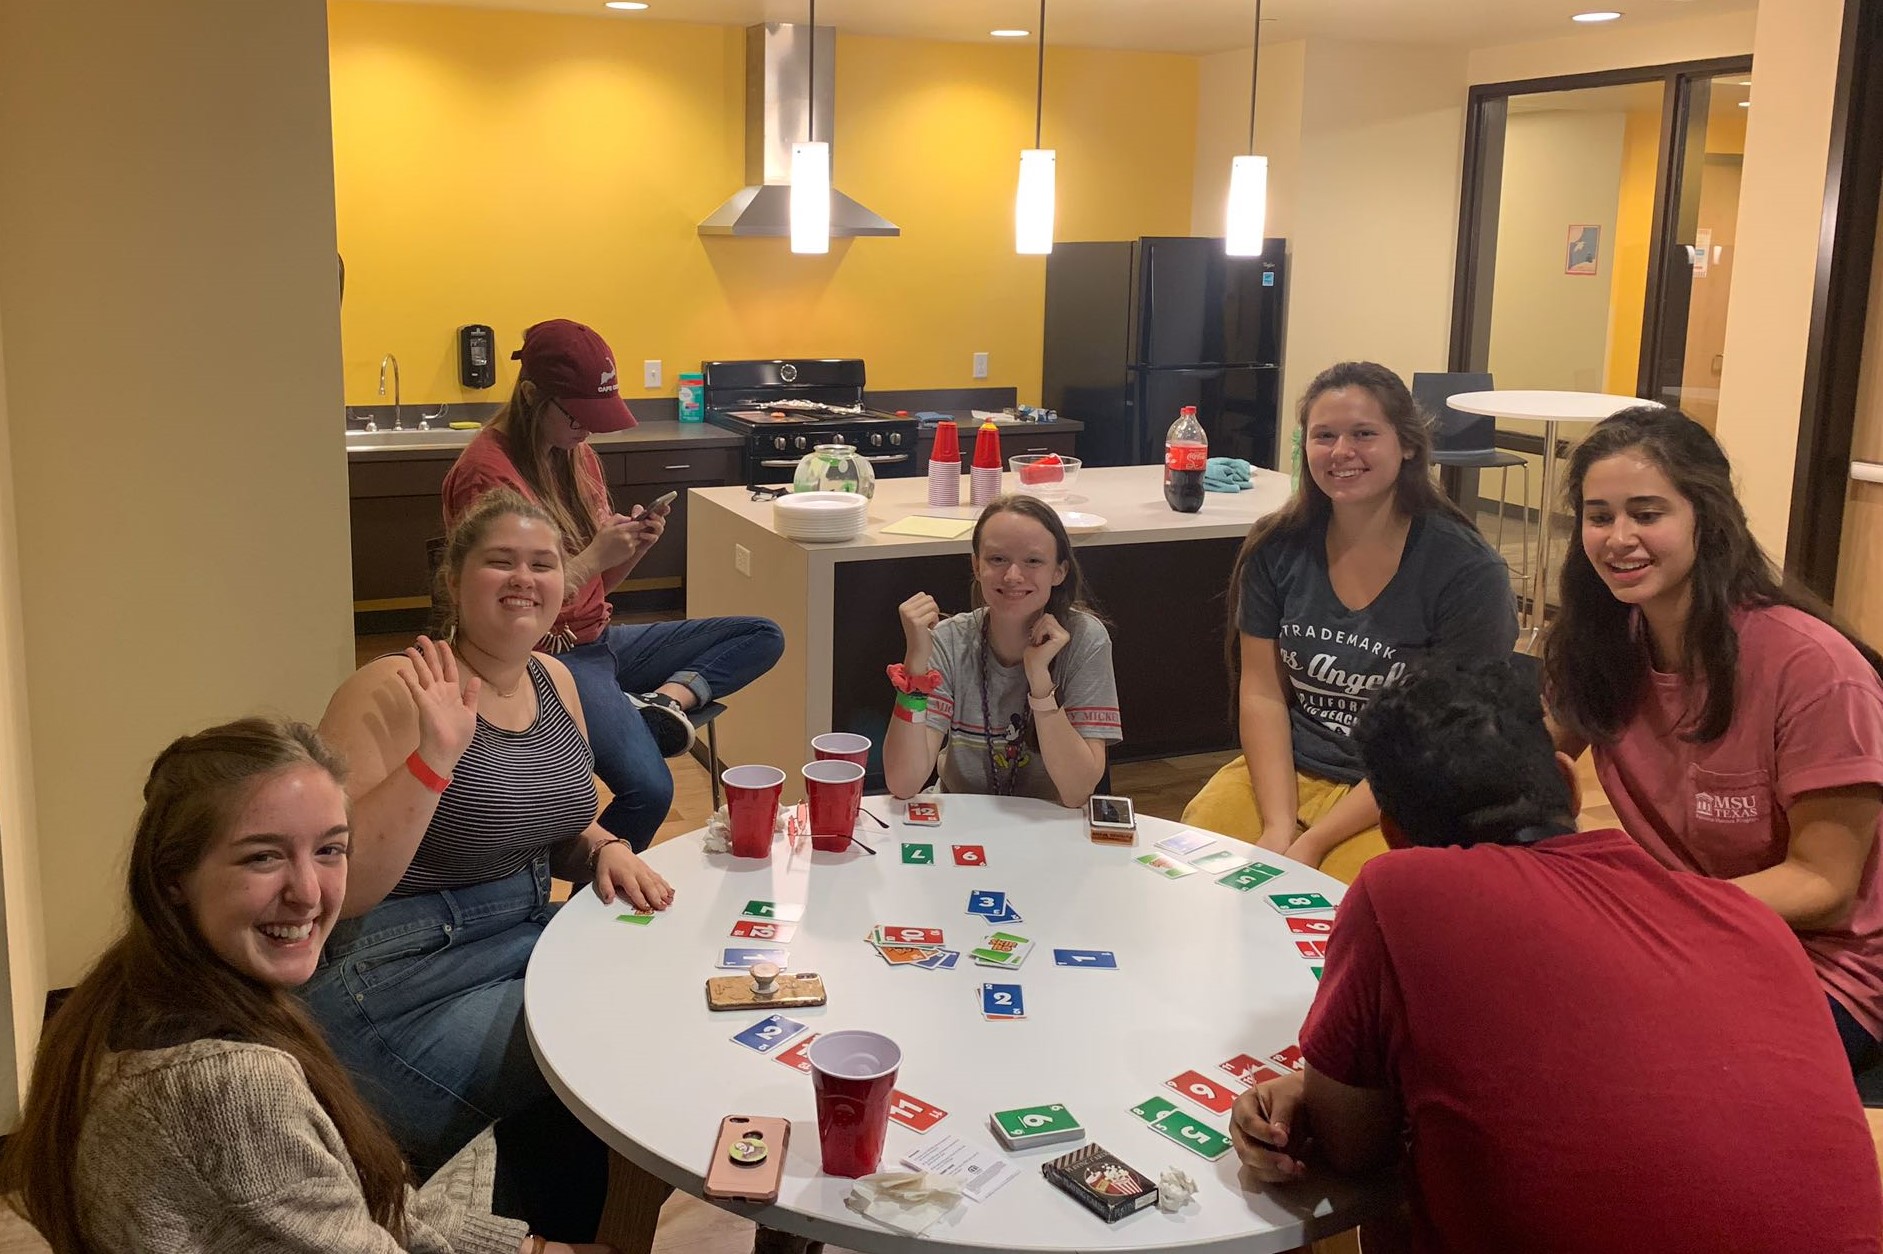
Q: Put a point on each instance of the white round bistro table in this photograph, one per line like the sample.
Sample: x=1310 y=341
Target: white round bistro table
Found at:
x=1549 y=408
x=618 y=1020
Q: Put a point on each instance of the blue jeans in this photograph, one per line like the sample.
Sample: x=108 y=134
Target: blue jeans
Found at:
x=711 y=657
x=422 y=999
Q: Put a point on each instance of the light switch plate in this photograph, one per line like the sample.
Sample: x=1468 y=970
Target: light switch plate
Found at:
x=980 y=365
x=650 y=374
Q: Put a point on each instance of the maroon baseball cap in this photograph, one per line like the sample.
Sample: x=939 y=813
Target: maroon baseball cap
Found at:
x=576 y=368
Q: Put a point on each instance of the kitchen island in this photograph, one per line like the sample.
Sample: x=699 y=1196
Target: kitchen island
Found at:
x=1158 y=576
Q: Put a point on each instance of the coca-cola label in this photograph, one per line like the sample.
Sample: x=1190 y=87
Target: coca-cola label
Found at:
x=1186 y=456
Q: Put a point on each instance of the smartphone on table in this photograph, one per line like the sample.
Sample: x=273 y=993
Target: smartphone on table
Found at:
x=748 y=1158
x=1112 y=820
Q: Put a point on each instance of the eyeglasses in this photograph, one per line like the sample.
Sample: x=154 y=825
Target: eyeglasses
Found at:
x=769 y=494
x=567 y=415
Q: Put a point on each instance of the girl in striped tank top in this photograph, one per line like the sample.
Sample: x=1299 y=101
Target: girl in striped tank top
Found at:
x=471 y=784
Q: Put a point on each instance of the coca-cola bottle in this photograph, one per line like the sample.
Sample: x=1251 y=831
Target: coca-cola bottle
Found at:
x=1186 y=450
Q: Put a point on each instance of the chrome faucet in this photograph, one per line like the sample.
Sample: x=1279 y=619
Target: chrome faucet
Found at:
x=390 y=360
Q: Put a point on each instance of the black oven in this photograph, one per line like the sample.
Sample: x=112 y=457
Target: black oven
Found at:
x=785 y=407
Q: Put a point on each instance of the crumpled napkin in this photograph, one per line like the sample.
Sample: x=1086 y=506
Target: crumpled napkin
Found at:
x=718 y=836
x=908 y=1201
x=1174 y=1188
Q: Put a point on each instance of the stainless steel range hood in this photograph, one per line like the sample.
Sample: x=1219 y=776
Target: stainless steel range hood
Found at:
x=777 y=83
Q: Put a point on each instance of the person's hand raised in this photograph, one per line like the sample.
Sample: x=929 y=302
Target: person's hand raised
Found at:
x=919 y=616
x=1044 y=641
x=447 y=717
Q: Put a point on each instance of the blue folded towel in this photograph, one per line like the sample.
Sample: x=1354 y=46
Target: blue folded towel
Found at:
x=1213 y=482
x=929 y=418
x=1229 y=468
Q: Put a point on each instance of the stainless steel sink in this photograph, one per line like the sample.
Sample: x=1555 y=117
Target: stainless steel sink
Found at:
x=387 y=439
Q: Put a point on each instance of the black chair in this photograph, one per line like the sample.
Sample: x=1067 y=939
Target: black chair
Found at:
x=1469 y=442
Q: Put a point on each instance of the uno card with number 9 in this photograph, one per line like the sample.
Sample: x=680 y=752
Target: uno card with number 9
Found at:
x=769 y=1033
x=1211 y=1096
x=1303 y=926
x=1035 y=1124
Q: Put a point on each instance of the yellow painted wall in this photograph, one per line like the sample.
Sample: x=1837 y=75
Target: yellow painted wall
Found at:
x=504 y=168
x=1634 y=236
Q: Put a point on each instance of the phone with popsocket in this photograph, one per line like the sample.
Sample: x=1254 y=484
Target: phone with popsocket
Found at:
x=665 y=498
x=1112 y=820
x=748 y=1158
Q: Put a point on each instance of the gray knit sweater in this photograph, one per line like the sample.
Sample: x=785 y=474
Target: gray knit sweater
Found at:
x=217 y=1147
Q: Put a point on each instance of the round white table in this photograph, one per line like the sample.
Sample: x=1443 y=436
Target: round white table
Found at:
x=1549 y=408
x=618 y=1020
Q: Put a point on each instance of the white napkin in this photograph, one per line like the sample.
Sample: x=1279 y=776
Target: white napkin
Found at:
x=1174 y=1188
x=718 y=837
x=908 y=1201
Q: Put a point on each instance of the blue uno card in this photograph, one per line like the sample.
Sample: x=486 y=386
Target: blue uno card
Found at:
x=769 y=1033
x=940 y=960
x=987 y=903
x=740 y=959
x=1002 y=1001
x=1009 y=915
x=1094 y=958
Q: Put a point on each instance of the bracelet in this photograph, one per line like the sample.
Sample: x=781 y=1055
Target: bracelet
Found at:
x=534 y=1244
x=595 y=854
x=423 y=773
x=1046 y=704
x=913 y=701
x=922 y=684
x=908 y=714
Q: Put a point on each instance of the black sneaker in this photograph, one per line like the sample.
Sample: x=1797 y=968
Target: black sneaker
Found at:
x=673 y=731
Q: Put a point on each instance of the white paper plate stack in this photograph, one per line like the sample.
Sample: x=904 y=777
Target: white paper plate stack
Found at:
x=820 y=517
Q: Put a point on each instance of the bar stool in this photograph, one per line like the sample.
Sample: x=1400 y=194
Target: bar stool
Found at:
x=705 y=718
x=1469 y=441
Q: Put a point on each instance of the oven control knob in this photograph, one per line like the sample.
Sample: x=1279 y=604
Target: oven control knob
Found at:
x=876 y=439
x=895 y=439
x=798 y=443
x=778 y=442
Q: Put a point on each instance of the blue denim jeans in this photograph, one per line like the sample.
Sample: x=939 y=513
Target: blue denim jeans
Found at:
x=422 y=999
x=710 y=656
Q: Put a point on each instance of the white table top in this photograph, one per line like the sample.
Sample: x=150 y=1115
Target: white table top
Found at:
x=1543 y=406
x=617 y=1016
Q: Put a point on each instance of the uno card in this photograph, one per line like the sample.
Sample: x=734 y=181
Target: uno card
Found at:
x=1002 y=1001
x=1248 y=1070
x=1298 y=903
x=911 y=1113
x=1164 y=865
x=1035 y=1125
x=903 y=955
x=970 y=855
x=759 y=929
x=740 y=959
x=1290 y=1058
x=640 y=918
x=1207 y=1093
x=919 y=855
x=939 y=960
x=1002 y=949
x=772 y=910
x=798 y=1055
x=886 y=934
x=1095 y=959
x=922 y=812
x=1193 y=1134
x=768 y=1033
x=1301 y=926
x=1186 y=841
x=1009 y=915
x=987 y=903
x=1256 y=874
x=1315 y=949
x=1317 y=974
x=1217 y=861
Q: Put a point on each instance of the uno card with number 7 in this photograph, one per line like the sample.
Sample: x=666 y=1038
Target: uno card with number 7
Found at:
x=768 y=1033
x=1211 y=1096
x=914 y=1114
x=970 y=855
x=759 y=929
x=1193 y=1134
x=1299 y=903
x=798 y=1055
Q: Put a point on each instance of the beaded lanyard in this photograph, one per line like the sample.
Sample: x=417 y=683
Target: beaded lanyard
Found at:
x=1001 y=777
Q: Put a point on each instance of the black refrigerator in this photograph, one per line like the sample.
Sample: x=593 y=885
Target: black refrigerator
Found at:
x=1137 y=329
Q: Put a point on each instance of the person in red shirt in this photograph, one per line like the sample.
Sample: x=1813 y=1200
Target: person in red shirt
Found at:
x=636 y=682
x=1570 y=1046
x=1736 y=730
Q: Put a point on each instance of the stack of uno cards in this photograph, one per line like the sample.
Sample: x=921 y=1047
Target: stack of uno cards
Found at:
x=993 y=907
x=1193 y=1134
x=902 y=946
x=1026 y=1126
x=1101 y=1182
x=1002 y=1001
x=1002 y=949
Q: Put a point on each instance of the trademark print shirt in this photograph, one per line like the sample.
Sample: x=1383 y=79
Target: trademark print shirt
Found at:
x=1807 y=715
x=1451 y=593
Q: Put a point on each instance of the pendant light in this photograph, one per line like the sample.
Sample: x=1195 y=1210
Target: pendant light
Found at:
x=810 y=170
x=1033 y=203
x=1247 y=220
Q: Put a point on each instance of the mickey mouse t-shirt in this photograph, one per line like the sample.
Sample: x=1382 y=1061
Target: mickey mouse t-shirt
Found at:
x=1451 y=594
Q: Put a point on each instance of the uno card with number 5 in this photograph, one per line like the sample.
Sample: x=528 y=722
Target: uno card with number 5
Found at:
x=1193 y=1134
x=768 y=1033
x=1303 y=926
x=911 y=1113
x=759 y=929
x=1299 y=903
x=1211 y=1096
x=798 y=1055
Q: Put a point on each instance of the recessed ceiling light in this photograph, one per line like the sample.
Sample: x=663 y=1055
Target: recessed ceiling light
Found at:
x=623 y=4
x=1599 y=15
x=1010 y=34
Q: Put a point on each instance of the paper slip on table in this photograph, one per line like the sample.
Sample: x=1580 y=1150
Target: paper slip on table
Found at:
x=618 y=1019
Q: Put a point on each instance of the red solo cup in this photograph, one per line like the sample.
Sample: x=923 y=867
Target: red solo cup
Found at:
x=841 y=747
x=835 y=791
x=752 y=794
x=853 y=1074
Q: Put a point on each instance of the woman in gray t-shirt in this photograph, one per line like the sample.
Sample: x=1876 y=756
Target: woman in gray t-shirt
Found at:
x=1015 y=697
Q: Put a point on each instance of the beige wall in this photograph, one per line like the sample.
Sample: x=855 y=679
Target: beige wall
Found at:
x=1780 y=208
x=167 y=288
x=1223 y=132
x=1622 y=44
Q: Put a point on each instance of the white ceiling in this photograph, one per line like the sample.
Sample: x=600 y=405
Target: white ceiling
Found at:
x=1189 y=26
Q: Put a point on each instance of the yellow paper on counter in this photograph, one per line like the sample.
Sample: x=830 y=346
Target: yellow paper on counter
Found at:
x=930 y=526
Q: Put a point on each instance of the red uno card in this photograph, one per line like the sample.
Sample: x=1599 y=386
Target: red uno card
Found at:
x=796 y=1055
x=970 y=855
x=1310 y=927
x=1312 y=948
x=762 y=929
x=1290 y=1058
x=1249 y=1071
x=913 y=1113
x=926 y=813
x=911 y=935
x=1210 y=1095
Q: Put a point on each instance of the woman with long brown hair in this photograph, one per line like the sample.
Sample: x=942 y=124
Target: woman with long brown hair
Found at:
x=1367 y=568
x=181 y=1100
x=1737 y=730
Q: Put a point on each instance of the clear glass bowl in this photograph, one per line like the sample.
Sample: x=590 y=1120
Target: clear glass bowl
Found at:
x=1049 y=476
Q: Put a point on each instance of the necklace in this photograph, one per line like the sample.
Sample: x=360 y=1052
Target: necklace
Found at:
x=1003 y=765
x=491 y=684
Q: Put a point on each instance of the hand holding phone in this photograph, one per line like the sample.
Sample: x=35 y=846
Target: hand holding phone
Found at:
x=664 y=499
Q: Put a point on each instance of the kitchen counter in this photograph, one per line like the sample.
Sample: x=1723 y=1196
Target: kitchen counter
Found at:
x=651 y=437
x=1158 y=577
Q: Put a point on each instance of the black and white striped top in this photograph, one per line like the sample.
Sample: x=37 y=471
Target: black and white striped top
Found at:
x=513 y=794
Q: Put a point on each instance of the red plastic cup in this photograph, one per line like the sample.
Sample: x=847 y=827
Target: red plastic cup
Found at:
x=853 y=1074
x=752 y=794
x=835 y=791
x=841 y=747
x=947 y=443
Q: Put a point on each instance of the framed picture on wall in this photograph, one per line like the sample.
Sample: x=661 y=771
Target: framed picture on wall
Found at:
x=1585 y=245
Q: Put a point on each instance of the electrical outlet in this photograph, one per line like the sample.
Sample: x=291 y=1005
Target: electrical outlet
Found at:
x=650 y=374
x=980 y=365
x=742 y=559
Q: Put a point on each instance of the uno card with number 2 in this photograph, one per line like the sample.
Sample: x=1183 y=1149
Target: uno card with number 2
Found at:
x=1205 y=1092
x=768 y=1033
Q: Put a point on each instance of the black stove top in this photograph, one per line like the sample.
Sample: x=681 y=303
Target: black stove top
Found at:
x=798 y=393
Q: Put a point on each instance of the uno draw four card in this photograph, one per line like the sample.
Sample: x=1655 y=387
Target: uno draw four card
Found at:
x=1101 y=1182
x=1034 y=1125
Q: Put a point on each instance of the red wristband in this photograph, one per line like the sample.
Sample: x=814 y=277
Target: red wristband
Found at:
x=424 y=774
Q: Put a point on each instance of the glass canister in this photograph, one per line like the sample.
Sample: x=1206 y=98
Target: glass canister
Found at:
x=835 y=468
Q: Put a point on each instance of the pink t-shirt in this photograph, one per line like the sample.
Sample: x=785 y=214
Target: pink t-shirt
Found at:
x=1807 y=715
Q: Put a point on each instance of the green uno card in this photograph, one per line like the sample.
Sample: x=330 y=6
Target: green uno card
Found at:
x=1317 y=974
x=1299 y=903
x=923 y=855
x=1193 y=1134
x=1025 y=1123
x=1256 y=874
x=639 y=917
x=772 y=910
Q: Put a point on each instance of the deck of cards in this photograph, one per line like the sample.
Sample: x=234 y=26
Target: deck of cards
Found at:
x=1101 y=1182
x=1002 y=1001
x=904 y=946
x=993 y=907
x=1002 y=949
x=1026 y=1126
